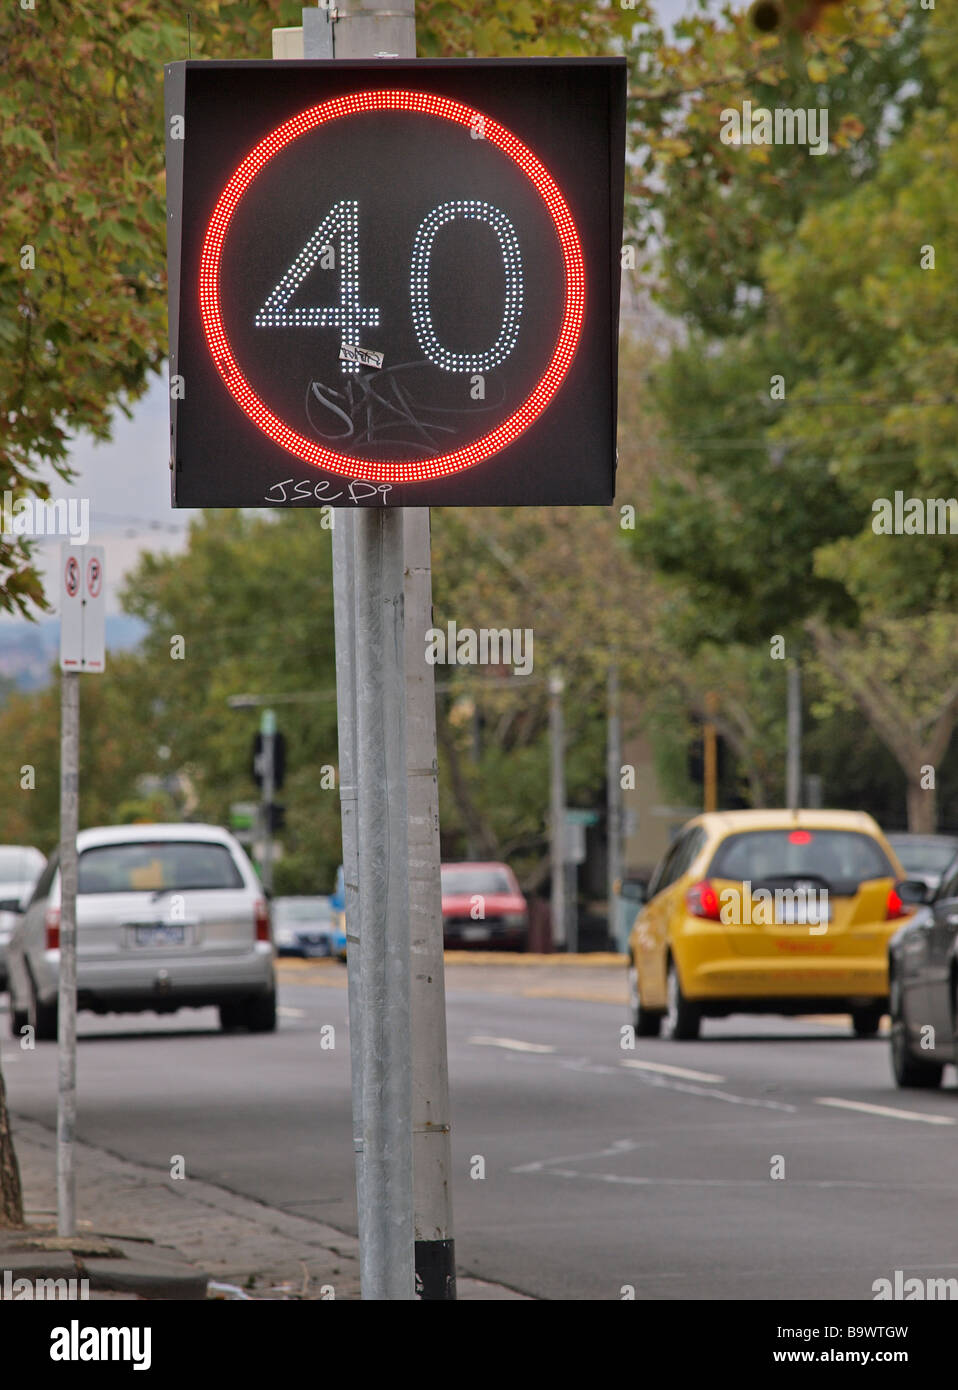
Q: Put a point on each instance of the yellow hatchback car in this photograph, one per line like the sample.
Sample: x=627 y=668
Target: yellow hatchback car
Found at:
x=766 y=912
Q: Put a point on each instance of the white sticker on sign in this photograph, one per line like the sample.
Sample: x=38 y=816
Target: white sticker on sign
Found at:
x=365 y=357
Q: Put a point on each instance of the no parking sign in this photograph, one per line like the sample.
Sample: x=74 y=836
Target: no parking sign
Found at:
x=82 y=609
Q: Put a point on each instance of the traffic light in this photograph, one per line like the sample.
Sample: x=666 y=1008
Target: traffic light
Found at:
x=394 y=283
x=279 y=760
x=275 y=817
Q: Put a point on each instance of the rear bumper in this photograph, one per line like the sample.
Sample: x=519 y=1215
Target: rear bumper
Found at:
x=512 y=939
x=306 y=944
x=790 y=1005
x=835 y=977
x=174 y=982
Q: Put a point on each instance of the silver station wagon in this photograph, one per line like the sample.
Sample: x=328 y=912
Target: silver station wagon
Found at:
x=168 y=916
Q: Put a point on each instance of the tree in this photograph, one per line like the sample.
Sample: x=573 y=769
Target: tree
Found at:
x=82 y=290
x=818 y=375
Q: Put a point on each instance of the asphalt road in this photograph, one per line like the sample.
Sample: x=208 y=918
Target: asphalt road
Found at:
x=604 y=1168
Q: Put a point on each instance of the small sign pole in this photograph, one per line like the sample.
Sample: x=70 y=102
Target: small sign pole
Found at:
x=82 y=602
x=67 y=1003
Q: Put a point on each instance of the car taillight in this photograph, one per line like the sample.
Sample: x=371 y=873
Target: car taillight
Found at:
x=261 y=918
x=52 y=924
x=703 y=901
x=894 y=907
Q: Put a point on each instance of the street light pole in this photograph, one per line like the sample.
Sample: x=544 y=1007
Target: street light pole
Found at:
x=267 y=728
x=557 y=830
x=793 y=758
x=613 y=774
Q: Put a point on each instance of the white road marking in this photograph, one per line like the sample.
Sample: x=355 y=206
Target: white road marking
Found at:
x=291 y=1013
x=512 y=1044
x=885 y=1110
x=617 y=1147
x=628 y=1180
x=669 y=1070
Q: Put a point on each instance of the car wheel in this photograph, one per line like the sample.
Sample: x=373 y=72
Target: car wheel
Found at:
x=908 y=1071
x=647 y=1024
x=43 y=1018
x=259 y=1014
x=866 y=1022
x=682 y=1018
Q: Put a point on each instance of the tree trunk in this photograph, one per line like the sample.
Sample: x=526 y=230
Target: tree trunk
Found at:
x=11 y=1193
x=922 y=805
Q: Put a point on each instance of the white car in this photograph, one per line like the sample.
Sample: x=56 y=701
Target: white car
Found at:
x=20 y=867
x=168 y=916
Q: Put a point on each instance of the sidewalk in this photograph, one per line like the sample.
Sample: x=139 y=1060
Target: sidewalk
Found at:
x=145 y=1234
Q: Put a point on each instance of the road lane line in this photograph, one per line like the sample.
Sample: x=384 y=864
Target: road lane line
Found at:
x=669 y=1070
x=888 y=1111
x=614 y=1150
x=291 y=1013
x=511 y=1044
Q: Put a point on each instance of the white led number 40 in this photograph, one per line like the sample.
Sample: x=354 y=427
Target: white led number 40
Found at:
x=349 y=316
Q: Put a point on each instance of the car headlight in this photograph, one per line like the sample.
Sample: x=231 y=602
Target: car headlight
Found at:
x=514 y=919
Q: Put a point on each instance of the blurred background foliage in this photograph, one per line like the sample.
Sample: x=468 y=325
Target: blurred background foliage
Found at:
x=752 y=506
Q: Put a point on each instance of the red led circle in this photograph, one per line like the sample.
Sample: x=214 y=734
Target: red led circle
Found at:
x=383 y=470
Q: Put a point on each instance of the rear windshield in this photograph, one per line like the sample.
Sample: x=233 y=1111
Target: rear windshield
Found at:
x=926 y=856
x=475 y=881
x=167 y=865
x=838 y=856
x=19 y=863
x=301 y=910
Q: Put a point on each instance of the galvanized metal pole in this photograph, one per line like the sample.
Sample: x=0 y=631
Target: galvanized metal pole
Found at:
x=431 y=1124
x=557 y=830
x=317 y=43
x=344 y=615
x=387 y=1268
x=793 y=761
x=613 y=803
x=368 y=30
x=368 y=557
x=67 y=991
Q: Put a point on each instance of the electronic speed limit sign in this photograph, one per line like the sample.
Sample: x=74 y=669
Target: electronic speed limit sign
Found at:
x=394 y=283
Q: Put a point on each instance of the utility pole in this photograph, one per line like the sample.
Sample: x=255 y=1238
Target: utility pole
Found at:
x=557 y=830
x=67 y=984
x=793 y=757
x=613 y=773
x=431 y=1124
x=267 y=728
x=376 y=803
x=344 y=616
x=387 y=1269
x=710 y=753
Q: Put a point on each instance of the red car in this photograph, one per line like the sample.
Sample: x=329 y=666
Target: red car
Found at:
x=483 y=908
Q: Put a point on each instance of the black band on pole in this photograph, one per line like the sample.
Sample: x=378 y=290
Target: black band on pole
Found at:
x=436 y=1270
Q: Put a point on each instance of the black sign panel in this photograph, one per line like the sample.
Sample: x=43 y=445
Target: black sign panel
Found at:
x=394 y=283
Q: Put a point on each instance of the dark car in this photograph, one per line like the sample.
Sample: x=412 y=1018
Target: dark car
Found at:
x=923 y=983
x=483 y=907
x=305 y=926
x=925 y=857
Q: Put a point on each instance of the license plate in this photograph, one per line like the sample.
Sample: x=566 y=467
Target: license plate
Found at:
x=160 y=934
x=804 y=914
x=475 y=933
